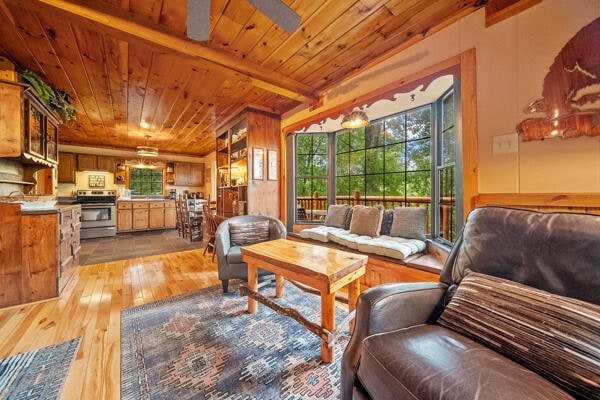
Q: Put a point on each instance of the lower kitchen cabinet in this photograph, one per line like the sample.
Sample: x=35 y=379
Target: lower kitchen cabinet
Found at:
x=49 y=252
x=140 y=216
x=124 y=216
x=135 y=215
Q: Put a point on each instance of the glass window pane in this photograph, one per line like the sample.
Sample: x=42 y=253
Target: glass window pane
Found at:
x=320 y=144
x=395 y=159
x=374 y=160
x=374 y=135
x=342 y=186
x=357 y=183
x=418 y=123
x=418 y=184
x=319 y=165
x=374 y=185
x=357 y=139
x=342 y=142
x=304 y=165
x=394 y=184
x=448 y=111
x=394 y=129
x=448 y=146
x=342 y=166
x=418 y=154
x=357 y=162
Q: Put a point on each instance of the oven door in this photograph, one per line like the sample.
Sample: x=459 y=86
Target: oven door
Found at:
x=97 y=215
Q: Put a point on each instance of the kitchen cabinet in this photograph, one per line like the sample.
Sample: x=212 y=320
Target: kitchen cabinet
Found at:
x=87 y=162
x=124 y=216
x=140 y=215
x=40 y=254
x=241 y=189
x=170 y=214
x=189 y=174
x=156 y=218
x=66 y=167
x=106 y=164
x=92 y=162
x=28 y=129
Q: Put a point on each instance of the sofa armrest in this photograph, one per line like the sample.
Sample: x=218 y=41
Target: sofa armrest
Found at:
x=222 y=243
x=386 y=308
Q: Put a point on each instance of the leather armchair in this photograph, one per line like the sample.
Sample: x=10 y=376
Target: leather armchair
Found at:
x=398 y=351
x=229 y=258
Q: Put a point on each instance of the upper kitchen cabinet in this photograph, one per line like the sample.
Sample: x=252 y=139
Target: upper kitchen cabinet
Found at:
x=189 y=174
x=66 y=167
x=92 y=162
x=28 y=130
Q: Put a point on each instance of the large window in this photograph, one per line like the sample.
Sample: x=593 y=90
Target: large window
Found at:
x=144 y=181
x=407 y=159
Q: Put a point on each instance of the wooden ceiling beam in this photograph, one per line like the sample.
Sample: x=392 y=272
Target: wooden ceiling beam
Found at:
x=125 y=26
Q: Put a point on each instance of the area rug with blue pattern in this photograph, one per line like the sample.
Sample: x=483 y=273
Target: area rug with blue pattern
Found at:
x=38 y=374
x=205 y=345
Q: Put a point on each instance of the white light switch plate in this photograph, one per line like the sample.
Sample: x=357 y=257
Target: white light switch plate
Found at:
x=505 y=144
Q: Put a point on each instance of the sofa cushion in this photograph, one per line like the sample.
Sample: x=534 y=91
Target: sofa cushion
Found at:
x=345 y=238
x=320 y=233
x=388 y=246
x=409 y=222
x=366 y=220
x=552 y=335
x=336 y=215
x=432 y=362
x=245 y=233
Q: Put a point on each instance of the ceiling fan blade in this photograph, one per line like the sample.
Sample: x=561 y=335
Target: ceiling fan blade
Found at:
x=279 y=13
x=198 y=19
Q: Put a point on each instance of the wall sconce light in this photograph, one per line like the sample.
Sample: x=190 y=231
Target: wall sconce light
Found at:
x=147 y=151
x=356 y=119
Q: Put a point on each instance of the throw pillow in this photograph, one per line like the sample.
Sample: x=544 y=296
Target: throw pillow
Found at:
x=336 y=214
x=366 y=220
x=555 y=336
x=348 y=219
x=409 y=222
x=386 y=222
x=245 y=233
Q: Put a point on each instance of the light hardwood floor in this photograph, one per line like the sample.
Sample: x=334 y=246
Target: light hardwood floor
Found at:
x=90 y=307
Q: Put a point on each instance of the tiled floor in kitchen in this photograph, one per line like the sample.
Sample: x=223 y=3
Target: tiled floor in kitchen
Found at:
x=131 y=245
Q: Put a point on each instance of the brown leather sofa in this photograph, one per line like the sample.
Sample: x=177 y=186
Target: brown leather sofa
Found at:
x=400 y=350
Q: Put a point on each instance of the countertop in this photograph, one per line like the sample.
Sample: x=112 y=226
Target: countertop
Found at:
x=55 y=210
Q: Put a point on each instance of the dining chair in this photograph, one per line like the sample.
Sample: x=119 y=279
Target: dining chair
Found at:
x=192 y=221
x=181 y=228
x=210 y=228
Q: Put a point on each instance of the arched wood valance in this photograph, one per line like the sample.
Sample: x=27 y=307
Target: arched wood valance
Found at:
x=388 y=92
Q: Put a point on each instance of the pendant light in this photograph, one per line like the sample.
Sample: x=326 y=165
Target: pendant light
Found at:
x=356 y=119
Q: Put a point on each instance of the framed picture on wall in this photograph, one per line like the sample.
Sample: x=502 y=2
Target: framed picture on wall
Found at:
x=272 y=165
x=258 y=157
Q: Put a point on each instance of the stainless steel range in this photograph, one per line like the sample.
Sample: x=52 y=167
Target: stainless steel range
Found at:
x=98 y=213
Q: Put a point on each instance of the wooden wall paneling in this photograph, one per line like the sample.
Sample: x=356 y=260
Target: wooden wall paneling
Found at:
x=140 y=60
x=63 y=44
x=40 y=255
x=499 y=10
x=11 y=273
x=116 y=53
x=90 y=43
x=566 y=202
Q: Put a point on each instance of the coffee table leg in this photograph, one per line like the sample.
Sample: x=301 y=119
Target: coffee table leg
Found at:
x=327 y=322
x=279 y=282
x=353 y=292
x=252 y=285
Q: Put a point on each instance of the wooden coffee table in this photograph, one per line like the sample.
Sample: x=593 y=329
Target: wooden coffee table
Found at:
x=324 y=269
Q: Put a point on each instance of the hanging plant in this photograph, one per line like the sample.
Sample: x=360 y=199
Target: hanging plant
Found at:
x=55 y=100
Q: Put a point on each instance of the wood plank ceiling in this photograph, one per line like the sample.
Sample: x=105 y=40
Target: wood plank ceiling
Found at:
x=131 y=71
